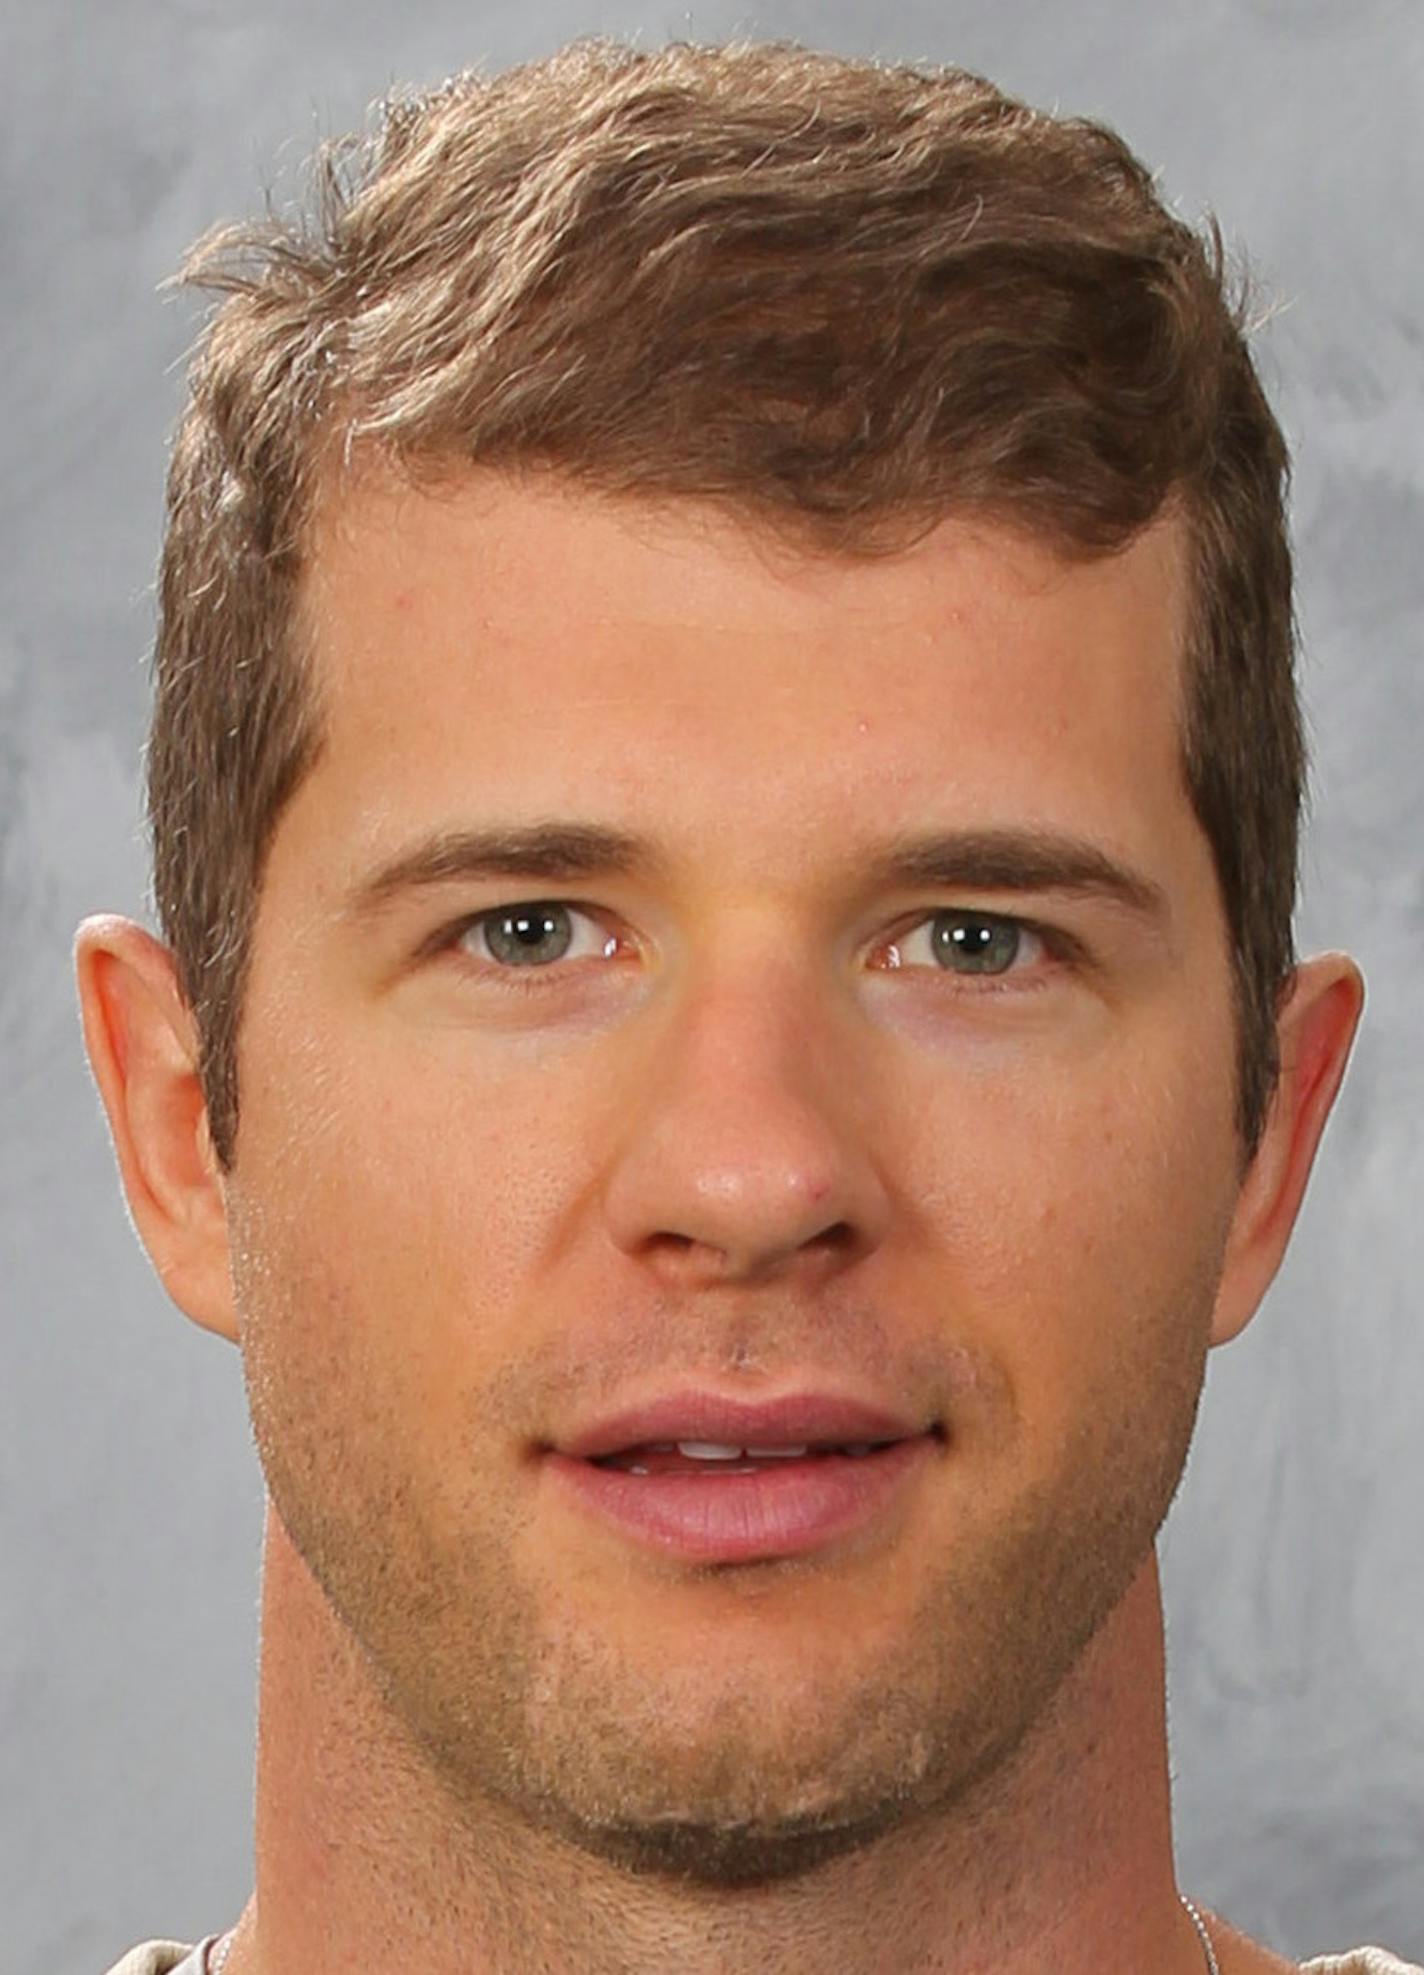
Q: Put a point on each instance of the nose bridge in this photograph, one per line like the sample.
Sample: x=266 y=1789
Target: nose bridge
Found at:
x=740 y=1149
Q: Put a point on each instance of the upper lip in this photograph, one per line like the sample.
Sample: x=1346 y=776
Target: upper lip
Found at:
x=792 y=1420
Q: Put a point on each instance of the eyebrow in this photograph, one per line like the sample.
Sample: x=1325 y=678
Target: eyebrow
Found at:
x=1022 y=860
x=556 y=851
x=1008 y=860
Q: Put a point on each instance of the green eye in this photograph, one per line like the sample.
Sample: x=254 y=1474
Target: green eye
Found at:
x=971 y=943
x=525 y=935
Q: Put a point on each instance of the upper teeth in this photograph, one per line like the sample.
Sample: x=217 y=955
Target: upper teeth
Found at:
x=713 y=1450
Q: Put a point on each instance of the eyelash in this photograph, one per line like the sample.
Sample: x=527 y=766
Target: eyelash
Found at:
x=1058 y=946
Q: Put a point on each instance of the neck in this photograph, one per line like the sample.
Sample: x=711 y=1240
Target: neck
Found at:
x=1063 y=1859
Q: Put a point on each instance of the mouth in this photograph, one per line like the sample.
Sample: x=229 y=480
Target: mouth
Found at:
x=731 y=1502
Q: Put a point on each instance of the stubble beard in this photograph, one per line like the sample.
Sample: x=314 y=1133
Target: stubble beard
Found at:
x=509 y=1711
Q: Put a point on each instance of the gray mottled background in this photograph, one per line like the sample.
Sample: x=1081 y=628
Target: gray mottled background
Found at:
x=130 y=1498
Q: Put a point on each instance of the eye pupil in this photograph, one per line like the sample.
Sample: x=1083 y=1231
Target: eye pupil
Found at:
x=517 y=936
x=969 y=945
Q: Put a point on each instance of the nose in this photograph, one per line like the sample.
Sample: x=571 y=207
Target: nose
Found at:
x=744 y=1151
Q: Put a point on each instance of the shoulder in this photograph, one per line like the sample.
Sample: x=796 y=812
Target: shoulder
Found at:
x=1240 y=1955
x=163 y=1958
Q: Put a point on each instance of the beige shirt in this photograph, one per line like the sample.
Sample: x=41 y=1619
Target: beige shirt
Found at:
x=1360 y=1961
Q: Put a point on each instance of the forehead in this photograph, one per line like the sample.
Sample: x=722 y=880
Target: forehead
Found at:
x=498 y=641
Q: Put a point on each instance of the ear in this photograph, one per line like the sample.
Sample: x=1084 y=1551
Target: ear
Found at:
x=142 y=1044
x=1315 y=1028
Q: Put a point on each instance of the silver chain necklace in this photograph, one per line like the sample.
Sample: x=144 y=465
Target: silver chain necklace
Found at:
x=1213 y=1967
x=225 y=1944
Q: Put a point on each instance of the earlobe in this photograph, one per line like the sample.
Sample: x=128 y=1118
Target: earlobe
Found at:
x=1316 y=1028
x=142 y=1046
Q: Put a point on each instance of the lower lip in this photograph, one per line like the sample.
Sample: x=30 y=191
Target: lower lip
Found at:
x=741 y=1518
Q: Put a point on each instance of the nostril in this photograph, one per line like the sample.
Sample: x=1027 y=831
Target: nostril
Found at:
x=840 y=1237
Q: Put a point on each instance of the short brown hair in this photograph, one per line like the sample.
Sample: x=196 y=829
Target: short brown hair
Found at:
x=846 y=299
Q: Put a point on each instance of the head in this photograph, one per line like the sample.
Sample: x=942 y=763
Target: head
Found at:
x=762 y=461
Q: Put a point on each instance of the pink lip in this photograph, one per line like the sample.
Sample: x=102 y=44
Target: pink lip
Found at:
x=794 y=1419
x=779 y=1510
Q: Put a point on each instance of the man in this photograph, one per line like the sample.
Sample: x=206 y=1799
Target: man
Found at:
x=724 y=784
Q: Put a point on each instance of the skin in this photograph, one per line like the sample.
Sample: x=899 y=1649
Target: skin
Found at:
x=742 y=1147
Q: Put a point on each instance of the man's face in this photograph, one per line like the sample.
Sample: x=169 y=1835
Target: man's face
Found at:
x=750 y=1120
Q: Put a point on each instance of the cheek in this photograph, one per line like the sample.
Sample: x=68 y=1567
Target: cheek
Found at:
x=404 y=1205
x=1080 y=1230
